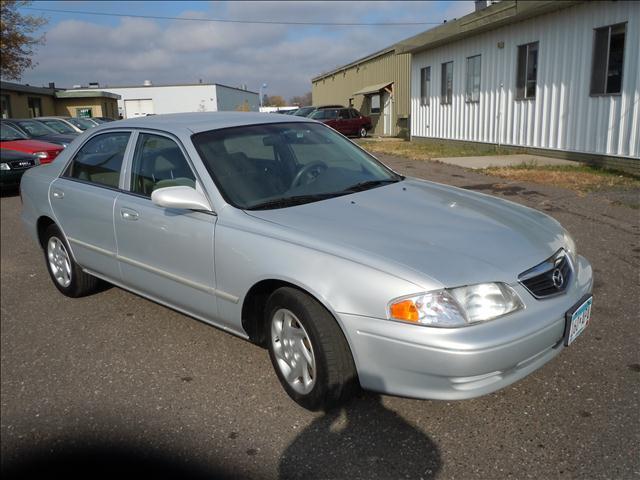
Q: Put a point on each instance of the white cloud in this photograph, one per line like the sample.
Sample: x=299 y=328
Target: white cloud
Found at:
x=180 y=51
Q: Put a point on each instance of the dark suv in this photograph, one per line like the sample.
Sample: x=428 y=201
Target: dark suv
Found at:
x=347 y=121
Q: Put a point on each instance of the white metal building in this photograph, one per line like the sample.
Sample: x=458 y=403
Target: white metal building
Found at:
x=550 y=75
x=146 y=99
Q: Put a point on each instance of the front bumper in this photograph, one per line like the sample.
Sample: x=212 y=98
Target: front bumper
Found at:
x=452 y=364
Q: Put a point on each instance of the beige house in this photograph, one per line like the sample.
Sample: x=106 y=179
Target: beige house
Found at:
x=26 y=101
x=376 y=85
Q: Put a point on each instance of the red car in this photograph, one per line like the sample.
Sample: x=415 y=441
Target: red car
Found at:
x=347 y=121
x=12 y=139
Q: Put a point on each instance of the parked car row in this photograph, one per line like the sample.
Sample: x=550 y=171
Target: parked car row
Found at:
x=26 y=142
x=347 y=121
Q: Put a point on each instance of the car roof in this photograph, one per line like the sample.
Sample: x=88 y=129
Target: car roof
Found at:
x=20 y=119
x=201 y=121
x=51 y=117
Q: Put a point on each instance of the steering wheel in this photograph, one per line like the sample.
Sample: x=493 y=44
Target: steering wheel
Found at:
x=306 y=170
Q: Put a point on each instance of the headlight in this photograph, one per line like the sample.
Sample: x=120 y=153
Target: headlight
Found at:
x=41 y=154
x=570 y=246
x=456 y=307
x=4 y=166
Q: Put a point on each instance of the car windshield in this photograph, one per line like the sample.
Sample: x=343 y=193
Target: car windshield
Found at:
x=36 y=129
x=8 y=133
x=58 y=125
x=304 y=111
x=285 y=164
x=81 y=123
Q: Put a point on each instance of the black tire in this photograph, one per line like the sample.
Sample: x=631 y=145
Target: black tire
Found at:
x=81 y=283
x=362 y=132
x=336 y=379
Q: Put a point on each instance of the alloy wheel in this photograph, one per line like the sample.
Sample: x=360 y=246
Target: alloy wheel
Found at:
x=293 y=351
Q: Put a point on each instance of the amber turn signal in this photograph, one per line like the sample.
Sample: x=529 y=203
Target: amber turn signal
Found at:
x=404 y=310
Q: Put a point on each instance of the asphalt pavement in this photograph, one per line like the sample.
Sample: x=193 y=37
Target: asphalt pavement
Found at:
x=113 y=383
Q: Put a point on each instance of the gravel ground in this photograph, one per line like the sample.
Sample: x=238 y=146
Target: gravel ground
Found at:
x=113 y=384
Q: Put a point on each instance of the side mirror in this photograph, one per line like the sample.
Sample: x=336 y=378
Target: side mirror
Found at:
x=186 y=198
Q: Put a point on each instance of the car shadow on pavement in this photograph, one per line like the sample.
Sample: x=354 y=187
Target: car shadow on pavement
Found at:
x=362 y=440
x=81 y=459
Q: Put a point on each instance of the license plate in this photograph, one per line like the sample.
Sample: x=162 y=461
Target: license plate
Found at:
x=577 y=320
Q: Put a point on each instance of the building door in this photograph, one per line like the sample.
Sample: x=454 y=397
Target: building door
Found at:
x=387 y=114
x=35 y=106
x=5 y=106
x=139 y=107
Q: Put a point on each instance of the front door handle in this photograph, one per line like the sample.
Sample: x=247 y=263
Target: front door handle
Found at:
x=55 y=193
x=128 y=214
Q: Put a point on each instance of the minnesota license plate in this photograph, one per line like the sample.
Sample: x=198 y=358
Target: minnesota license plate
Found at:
x=577 y=320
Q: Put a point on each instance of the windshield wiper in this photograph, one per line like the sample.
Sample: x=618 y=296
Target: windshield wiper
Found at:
x=358 y=187
x=295 y=200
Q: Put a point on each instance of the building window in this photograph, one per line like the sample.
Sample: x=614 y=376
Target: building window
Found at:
x=5 y=106
x=84 y=113
x=35 y=106
x=527 y=73
x=375 y=104
x=473 y=79
x=608 y=60
x=446 y=90
x=425 y=85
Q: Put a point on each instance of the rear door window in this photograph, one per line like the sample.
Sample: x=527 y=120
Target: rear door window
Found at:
x=99 y=160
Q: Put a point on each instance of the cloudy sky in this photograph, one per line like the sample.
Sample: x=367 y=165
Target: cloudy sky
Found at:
x=111 y=50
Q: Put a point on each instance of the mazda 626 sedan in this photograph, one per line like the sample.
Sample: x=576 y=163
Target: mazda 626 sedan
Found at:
x=282 y=231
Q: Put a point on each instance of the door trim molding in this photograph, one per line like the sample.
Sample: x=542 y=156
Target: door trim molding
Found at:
x=163 y=273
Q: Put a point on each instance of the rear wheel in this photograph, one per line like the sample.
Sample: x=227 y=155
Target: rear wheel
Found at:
x=308 y=351
x=362 y=132
x=66 y=274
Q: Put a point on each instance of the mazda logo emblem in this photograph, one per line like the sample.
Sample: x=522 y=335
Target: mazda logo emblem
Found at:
x=558 y=278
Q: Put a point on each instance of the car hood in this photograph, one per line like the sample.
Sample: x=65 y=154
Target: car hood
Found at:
x=450 y=235
x=29 y=146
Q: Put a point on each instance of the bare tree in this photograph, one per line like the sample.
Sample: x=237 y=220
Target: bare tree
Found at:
x=301 y=101
x=17 y=39
x=275 y=101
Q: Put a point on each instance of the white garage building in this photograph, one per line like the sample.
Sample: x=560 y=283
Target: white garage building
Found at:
x=559 y=76
x=148 y=99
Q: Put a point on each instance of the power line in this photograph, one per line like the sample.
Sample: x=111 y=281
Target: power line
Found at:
x=221 y=20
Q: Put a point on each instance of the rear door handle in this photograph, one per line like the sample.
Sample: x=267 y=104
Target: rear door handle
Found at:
x=57 y=193
x=128 y=214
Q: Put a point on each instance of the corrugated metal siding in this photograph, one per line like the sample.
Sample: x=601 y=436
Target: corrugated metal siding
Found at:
x=563 y=115
x=339 y=87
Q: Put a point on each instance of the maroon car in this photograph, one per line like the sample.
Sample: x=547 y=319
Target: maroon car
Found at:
x=347 y=121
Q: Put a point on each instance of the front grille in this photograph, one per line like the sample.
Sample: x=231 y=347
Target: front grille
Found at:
x=550 y=277
x=21 y=164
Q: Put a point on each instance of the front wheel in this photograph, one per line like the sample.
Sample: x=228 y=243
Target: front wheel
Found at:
x=66 y=274
x=308 y=351
x=362 y=132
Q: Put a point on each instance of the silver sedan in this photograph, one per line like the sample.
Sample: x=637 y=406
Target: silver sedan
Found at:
x=283 y=232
